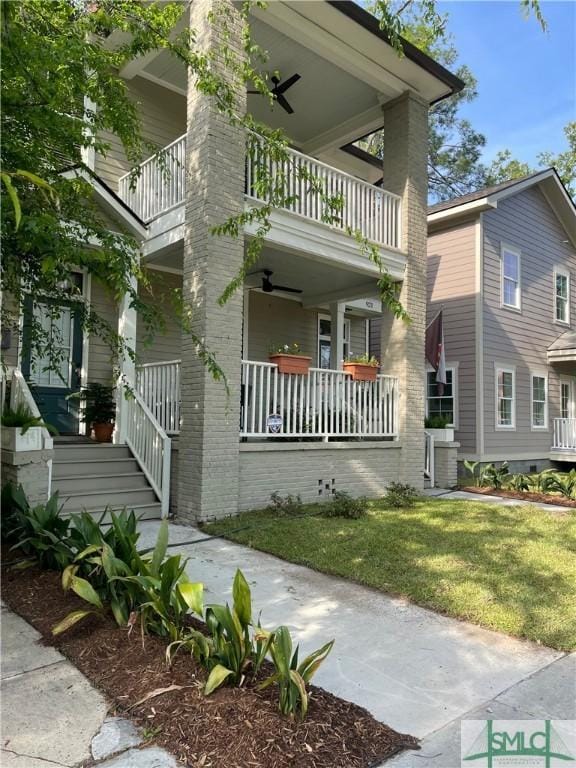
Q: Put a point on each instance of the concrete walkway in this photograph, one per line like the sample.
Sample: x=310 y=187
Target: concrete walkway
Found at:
x=503 y=501
x=51 y=714
x=411 y=668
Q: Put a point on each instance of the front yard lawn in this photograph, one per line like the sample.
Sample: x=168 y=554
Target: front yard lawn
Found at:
x=512 y=569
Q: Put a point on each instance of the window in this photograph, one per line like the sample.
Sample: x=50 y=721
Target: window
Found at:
x=57 y=325
x=505 y=398
x=539 y=407
x=441 y=404
x=561 y=296
x=510 y=277
x=324 y=340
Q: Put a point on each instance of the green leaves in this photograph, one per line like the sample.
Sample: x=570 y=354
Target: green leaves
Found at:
x=242 y=598
x=216 y=678
x=192 y=594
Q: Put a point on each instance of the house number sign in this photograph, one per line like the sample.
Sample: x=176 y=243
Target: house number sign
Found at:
x=274 y=423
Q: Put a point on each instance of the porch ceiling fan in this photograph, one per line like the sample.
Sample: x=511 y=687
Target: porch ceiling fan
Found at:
x=269 y=287
x=280 y=89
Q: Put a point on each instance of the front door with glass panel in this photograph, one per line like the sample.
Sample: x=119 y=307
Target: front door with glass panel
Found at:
x=325 y=340
x=53 y=377
x=567 y=397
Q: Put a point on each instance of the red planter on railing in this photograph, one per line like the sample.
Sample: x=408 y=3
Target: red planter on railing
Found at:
x=297 y=364
x=361 y=372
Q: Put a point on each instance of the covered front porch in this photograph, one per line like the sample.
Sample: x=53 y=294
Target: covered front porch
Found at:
x=561 y=356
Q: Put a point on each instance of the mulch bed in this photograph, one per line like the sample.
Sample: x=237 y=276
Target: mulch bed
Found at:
x=541 y=498
x=233 y=728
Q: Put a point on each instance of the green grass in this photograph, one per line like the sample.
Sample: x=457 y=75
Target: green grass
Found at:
x=512 y=569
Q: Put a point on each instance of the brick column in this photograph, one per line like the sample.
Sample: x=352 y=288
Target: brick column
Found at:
x=402 y=346
x=209 y=437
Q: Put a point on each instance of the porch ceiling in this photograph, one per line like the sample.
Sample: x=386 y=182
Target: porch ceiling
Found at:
x=319 y=281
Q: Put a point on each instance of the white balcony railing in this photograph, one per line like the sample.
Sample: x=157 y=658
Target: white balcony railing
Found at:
x=327 y=404
x=158 y=384
x=375 y=213
x=564 y=435
x=324 y=404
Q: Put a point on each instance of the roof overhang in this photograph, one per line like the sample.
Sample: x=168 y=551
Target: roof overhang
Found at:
x=563 y=349
x=547 y=181
x=113 y=205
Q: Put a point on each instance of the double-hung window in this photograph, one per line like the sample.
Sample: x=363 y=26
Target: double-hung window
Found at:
x=505 y=398
x=562 y=296
x=539 y=401
x=510 y=277
x=441 y=404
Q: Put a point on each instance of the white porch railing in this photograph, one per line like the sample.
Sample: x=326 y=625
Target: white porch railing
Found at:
x=150 y=445
x=161 y=184
x=429 y=458
x=372 y=211
x=322 y=404
x=159 y=386
x=564 y=435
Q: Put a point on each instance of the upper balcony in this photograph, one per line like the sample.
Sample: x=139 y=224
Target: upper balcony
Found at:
x=367 y=209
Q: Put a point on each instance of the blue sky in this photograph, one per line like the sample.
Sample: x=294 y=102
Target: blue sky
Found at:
x=526 y=78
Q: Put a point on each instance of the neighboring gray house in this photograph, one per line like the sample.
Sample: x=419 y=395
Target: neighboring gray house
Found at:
x=501 y=263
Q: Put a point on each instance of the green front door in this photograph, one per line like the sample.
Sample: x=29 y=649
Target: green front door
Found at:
x=52 y=384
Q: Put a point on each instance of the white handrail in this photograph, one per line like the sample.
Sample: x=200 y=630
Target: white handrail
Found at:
x=429 y=469
x=564 y=435
x=323 y=403
x=160 y=185
x=159 y=386
x=150 y=445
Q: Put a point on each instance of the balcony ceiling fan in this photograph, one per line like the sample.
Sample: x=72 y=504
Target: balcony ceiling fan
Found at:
x=269 y=287
x=280 y=89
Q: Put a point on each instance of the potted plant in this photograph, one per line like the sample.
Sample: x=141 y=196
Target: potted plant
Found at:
x=362 y=367
x=21 y=430
x=99 y=410
x=437 y=426
x=289 y=359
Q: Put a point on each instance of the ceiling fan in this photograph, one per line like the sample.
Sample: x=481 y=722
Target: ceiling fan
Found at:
x=269 y=287
x=280 y=89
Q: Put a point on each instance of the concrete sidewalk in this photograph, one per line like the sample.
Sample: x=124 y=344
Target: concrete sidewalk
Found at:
x=51 y=714
x=411 y=668
x=502 y=501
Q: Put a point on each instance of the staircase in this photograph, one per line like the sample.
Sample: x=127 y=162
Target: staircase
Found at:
x=93 y=477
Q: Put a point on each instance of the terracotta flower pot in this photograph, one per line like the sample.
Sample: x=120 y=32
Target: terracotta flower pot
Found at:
x=103 y=432
x=297 y=364
x=361 y=372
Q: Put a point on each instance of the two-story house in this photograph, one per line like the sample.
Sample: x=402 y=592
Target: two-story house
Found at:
x=186 y=440
x=501 y=263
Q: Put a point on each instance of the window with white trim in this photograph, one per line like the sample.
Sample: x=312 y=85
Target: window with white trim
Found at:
x=561 y=296
x=510 y=277
x=505 y=398
x=539 y=401
x=441 y=404
x=325 y=340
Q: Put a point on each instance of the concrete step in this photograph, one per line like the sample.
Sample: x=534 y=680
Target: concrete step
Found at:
x=142 y=512
x=99 y=500
x=87 y=483
x=84 y=467
x=94 y=452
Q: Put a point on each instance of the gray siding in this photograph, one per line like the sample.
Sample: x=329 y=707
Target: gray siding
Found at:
x=451 y=287
x=520 y=339
x=166 y=344
x=274 y=320
x=100 y=359
x=163 y=115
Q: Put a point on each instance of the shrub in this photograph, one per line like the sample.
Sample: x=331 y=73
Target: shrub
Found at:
x=562 y=483
x=290 y=676
x=14 y=502
x=41 y=533
x=22 y=416
x=285 y=505
x=518 y=482
x=436 y=422
x=400 y=495
x=344 y=505
x=489 y=475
